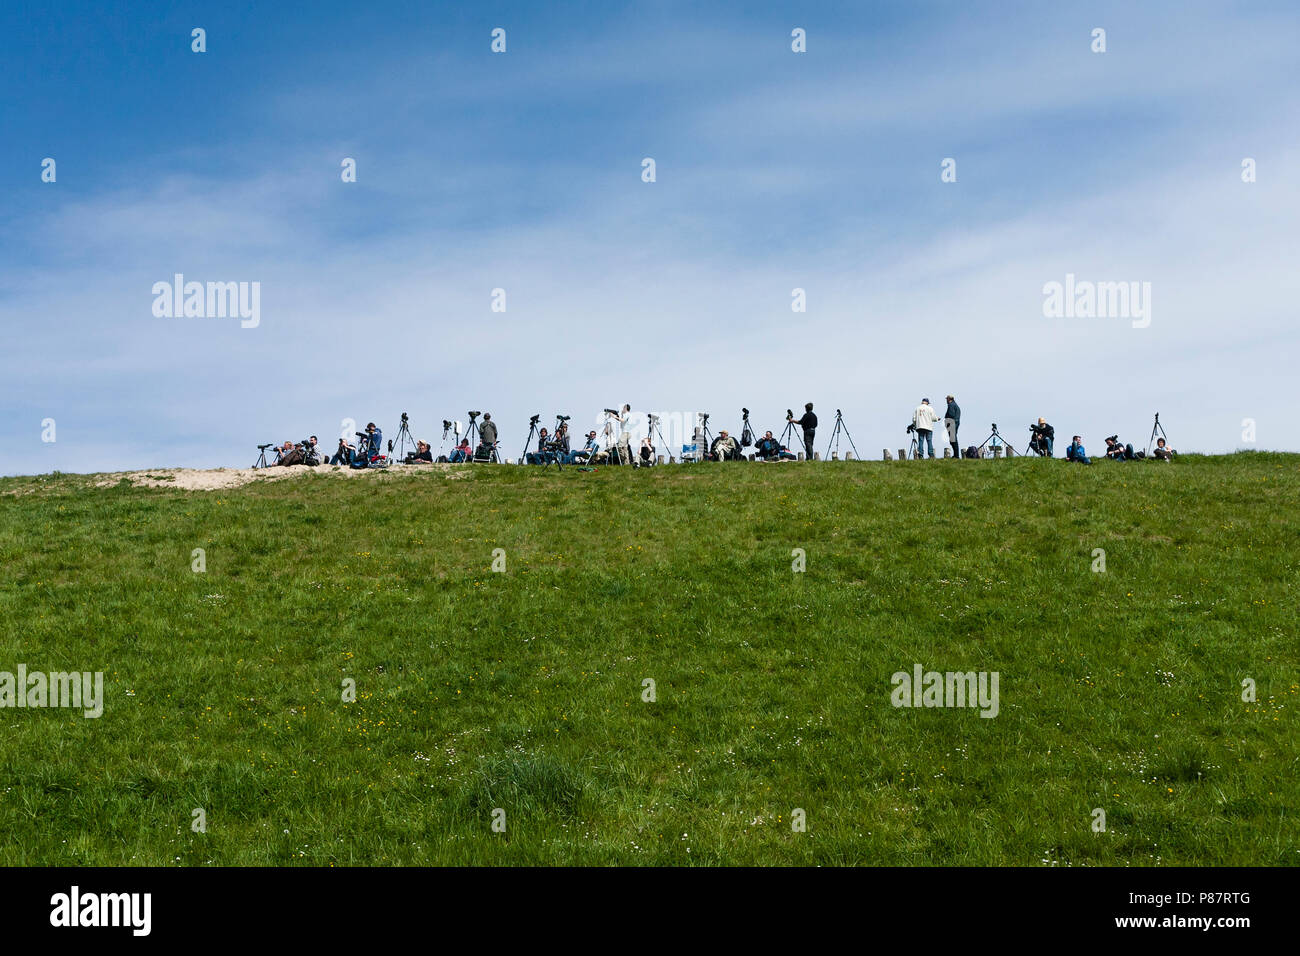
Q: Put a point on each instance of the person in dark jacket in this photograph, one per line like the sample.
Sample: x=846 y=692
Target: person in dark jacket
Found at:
x=487 y=432
x=951 y=422
x=809 y=425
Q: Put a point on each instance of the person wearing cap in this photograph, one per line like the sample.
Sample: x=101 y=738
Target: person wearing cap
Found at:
x=725 y=447
x=423 y=452
x=951 y=422
x=1044 y=436
x=374 y=445
x=924 y=418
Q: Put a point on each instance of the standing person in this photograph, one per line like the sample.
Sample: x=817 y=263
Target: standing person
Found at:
x=624 y=437
x=924 y=418
x=951 y=422
x=809 y=425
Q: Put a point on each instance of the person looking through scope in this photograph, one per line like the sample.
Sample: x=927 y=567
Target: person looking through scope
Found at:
x=924 y=417
x=808 y=422
x=370 y=447
x=343 y=456
x=1042 y=437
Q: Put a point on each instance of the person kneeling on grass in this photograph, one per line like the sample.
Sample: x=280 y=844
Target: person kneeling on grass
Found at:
x=1076 y=452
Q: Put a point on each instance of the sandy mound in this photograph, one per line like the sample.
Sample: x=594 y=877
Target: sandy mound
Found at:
x=193 y=479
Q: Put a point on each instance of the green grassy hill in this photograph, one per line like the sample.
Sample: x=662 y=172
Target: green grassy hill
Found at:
x=523 y=691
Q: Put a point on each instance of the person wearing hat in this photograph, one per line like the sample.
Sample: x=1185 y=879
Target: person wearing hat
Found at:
x=374 y=445
x=423 y=452
x=951 y=422
x=1044 y=436
x=924 y=418
x=725 y=447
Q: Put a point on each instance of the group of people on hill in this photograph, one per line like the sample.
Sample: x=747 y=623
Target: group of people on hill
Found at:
x=1042 y=438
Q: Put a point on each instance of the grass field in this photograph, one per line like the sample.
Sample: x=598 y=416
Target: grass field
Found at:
x=523 y=691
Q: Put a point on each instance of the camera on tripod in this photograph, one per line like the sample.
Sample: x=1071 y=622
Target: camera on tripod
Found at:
x=404 y=419
x=266 y=446
x=911 y=427
x=561 y=418
x=789 y=414
x=611 y=411
x=535 y=419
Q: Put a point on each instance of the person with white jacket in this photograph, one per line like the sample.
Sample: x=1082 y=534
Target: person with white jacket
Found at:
x=924 y=419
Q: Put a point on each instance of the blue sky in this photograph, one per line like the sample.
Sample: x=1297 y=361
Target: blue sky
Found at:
x=522 y=171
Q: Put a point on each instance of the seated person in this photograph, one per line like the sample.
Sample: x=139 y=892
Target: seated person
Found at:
x=422 y=453
x=1162 y=451
x=646 y=454
x=539 y=457
x=1044 y=437
x=344 y=454
x=585 y=453
x=1076 y=452
x=295 y=455
x=1117 y=451
x=769 y=449
x=313 y=452
x=460 y=453
x=371 y=447
x=724 y=447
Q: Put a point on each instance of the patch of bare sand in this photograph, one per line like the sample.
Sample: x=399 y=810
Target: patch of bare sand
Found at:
x=194 y=479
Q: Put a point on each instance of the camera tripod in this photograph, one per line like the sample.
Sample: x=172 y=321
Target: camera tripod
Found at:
x=261 y=459
x=655 y=429
x=913 y=449
x=708 y=436
x=614 y=446
x=791 y=433
x=996 y=434
x=402 y=437
x=835 y=437
x=560 y=422
x=1157 y=427
x=532 y=430
x=472 y=432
